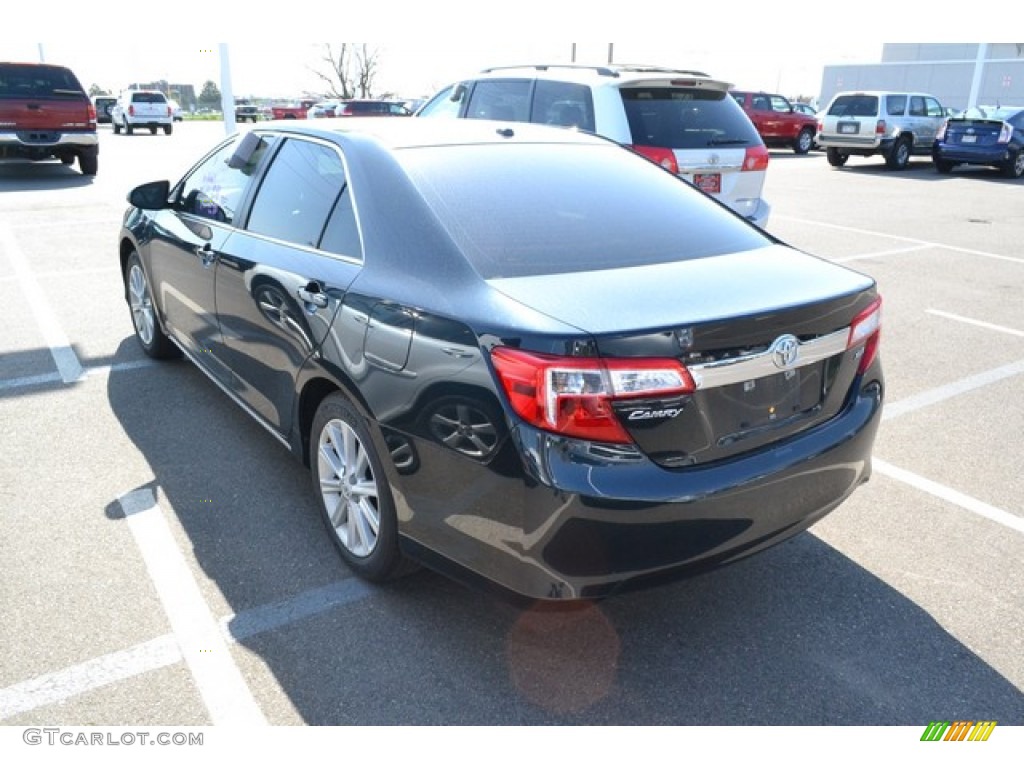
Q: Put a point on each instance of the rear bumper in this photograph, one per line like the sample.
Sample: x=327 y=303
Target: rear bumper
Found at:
x=35 y=145
x=861 y=147
x=564 y=520
x=973 y=155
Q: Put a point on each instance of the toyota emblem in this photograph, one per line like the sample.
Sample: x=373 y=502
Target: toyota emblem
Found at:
x=785 y=350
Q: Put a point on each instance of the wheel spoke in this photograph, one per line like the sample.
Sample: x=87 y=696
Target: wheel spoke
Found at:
x=328 y=453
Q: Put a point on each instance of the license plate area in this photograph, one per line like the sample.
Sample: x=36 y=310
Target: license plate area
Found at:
x=849 y=127
x=769 y=402
x=969 y=139
x=708 y=182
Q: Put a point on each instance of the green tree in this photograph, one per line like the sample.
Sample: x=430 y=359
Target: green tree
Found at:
x=209 y=96
x=95 y=90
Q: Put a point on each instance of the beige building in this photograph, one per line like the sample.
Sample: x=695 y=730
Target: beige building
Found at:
x=958 y=74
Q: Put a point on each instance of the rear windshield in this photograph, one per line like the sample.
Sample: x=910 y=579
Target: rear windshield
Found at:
x=533 y=209
x=38 y=82
x=148 y=98
x=686 y=118
x=854 y=104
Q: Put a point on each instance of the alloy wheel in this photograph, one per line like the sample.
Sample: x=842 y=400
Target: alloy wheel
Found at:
x=348 y=488
x=141 y=305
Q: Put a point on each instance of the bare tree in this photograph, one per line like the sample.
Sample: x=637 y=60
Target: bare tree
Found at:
x=353 y=67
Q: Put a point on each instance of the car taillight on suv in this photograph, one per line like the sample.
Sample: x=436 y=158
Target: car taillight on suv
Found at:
x=755 y=158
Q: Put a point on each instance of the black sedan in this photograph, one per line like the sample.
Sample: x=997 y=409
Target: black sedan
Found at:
x=524 y=356
x=992 y=136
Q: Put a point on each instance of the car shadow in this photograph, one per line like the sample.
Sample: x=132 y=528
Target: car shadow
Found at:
x=22 y=175
x=798 y=635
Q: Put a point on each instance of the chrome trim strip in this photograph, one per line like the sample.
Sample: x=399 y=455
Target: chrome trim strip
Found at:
x=241 y=403
x=739 y=369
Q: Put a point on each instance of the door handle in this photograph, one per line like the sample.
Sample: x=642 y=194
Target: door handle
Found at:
x=313 y=297
x=206 y=254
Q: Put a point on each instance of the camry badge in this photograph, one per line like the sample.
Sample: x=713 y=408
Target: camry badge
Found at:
x=785 y=350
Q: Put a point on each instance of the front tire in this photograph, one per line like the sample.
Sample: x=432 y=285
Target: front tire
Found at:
x=150 y=335
x=168 y=130
x=1014 y=167
x=353 y=492
x=836 y=158
x=804 y=142
x=899 y=156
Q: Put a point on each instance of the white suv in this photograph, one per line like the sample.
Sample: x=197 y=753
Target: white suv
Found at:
x=142 y=109
x=893 y=124
x=685 y=121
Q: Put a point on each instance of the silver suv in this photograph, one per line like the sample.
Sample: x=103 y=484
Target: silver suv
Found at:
x=683 y=120
x=893 y=124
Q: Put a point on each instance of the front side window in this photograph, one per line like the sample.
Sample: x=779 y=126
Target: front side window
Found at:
x=500 y=100
x=779 y=104
x=214 y=189
x=447 y=103
x=298 y=192
x=933 y=107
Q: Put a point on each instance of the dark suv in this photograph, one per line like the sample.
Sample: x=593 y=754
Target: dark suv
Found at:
x=779 y=124
x=45 y=113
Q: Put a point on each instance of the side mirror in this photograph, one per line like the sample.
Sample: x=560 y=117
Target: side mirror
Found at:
x=152 y=196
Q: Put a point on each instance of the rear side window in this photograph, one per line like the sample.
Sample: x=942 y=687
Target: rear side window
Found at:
x=857 y=104
x=896 y=104
x=568 y=105
x=686 y=118
x=38 y=82
x=297 y=193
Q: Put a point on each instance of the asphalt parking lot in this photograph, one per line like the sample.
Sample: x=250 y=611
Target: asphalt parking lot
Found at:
x=164 y=562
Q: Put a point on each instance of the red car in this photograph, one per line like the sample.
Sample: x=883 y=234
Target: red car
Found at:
x=775 y=118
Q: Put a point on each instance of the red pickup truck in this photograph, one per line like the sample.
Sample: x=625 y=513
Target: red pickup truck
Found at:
x=45 y=113
x=295 y=111
x=777 y=122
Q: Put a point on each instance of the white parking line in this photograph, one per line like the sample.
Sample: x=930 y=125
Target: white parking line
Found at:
x=947 y=391
x=163 y=651
x=60 y=348
x=945 y=493
x=218 y=679
x=922 y=243
x=879 y=254
x=95 y=370
x=972 y=321
x=55 y=687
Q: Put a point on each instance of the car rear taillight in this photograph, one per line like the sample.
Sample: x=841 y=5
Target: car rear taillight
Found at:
x=573 y=396
x=346 y=110
x=940 y=135
x=131 y=110
x=1005 y=134
x=666 y=158
x=170 y=111
x=756 y=158
x=880 y=127
x=865 y=329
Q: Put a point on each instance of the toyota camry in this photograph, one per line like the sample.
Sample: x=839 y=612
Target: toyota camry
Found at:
x=524 y=356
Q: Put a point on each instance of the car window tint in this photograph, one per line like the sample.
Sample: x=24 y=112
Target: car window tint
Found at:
x=38 y=82
x=213 y=190
x=917 y=107
x=779 y=104
x=297 y=193
x=686 y=118
x=853 y=105
x=563 y=104
x=597 y=207
x=501 y=100
x=148 y=98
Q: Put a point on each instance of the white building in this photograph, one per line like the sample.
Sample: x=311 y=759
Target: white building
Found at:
x=960 y=75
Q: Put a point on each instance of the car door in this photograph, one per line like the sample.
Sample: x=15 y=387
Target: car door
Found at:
x=281 y=279
x=187 y=240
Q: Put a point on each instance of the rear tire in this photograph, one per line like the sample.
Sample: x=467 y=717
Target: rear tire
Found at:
x=88 y=163
x=353 y=492
x=128 y=130
x=116 y=125
x=836 y=158
x=804 y=142
x=152 y=130
x=899 y=156
x=1014 y=167
x=168 y=129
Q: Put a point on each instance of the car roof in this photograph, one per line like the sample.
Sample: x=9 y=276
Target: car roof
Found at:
x=397 y=134
x=614 y=75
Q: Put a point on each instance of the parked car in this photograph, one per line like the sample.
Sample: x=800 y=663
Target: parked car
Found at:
x=371 y=108
x=46 y=114
x=804 y=109
x=176 y=114
x=103 y=105
x=896 y=125
x=494 y=405
x=982 y=136
x=322 y=109
x=245 y=111
x=683 y=120
x=778 y=121
x=142 y=109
